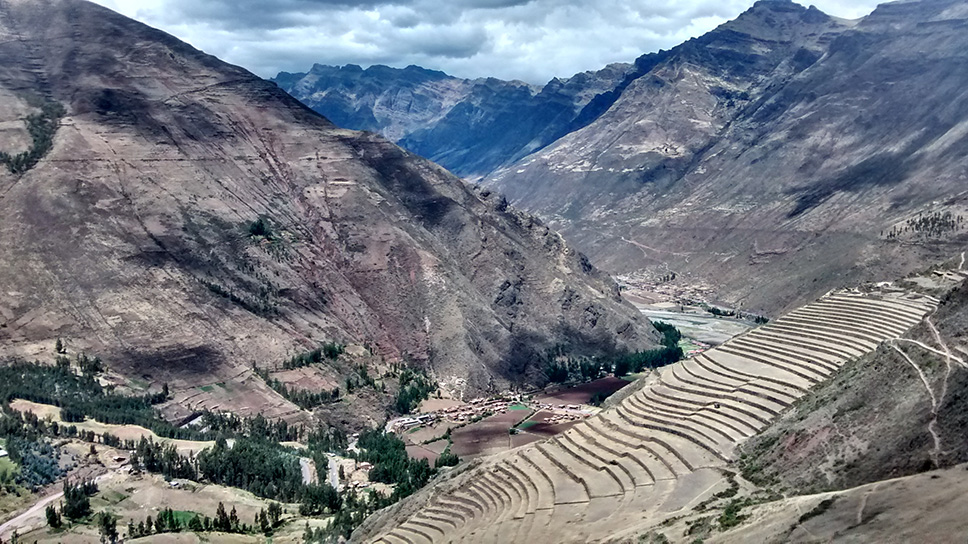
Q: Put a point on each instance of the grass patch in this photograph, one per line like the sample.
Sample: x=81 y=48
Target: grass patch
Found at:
x=207 y=388
x=113 y=496
x=7 y=469
x=415 y=429
x=184 y=516
x=518 y=407
x=526 y=424
x=140 y=384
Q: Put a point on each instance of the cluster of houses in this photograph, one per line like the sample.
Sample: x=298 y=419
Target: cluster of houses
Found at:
x=478 y=408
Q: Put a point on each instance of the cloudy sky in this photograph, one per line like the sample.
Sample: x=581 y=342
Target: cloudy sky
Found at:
x=532 y=40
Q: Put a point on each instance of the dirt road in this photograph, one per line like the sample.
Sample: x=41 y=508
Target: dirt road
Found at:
x=21 y=521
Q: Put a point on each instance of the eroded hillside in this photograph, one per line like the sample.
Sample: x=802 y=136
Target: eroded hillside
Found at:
x=190 y=221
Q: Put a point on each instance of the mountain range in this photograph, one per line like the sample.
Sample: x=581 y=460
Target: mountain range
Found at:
x=778 y=156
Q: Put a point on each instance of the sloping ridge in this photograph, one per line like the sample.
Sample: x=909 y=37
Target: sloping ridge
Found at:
x=661 y=449
x=131 y=238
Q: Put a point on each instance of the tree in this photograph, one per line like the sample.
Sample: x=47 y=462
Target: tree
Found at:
x=275 y=513
x=53 y=517
x=59 y=346
x=221 y=522
x=260 y=227
x=76 y=502
x=233 y=520
x=108 y=527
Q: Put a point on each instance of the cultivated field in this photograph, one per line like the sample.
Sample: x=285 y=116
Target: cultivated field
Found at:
x=489 y=435
x=662 y=450
x=580 y=394
x=124 y=432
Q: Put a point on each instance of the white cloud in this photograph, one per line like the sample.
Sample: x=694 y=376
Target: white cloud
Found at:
x=533 y=40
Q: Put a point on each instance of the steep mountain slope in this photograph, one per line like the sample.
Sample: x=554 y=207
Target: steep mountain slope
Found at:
x=469 y=126
x=393 y=102
x=896 y=412
x=783 y=147
x=135 y=236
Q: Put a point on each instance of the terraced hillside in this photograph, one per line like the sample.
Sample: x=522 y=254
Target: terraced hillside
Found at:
x=661 y=450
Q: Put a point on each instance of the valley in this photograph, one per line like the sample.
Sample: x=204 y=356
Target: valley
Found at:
x=718 y=293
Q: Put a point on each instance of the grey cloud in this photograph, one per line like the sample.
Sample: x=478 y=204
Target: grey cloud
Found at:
x=532 y=40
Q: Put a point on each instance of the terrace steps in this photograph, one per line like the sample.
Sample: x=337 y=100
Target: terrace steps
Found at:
x=543 y=486
x=655 y=460
x=672 y=445
x=812 y=376
x=748 y=393
x=622 y=476
x=424 y=531
x=661 y=449
x=819 y=357
x=438 y=520
x=507 y=481
x=567 y=488
x=721 y=364
x=671 y=386
x=576 y=470
x=706 y=421
x=635 y=469
x=896 y=308
x=653 y=424
x=841 y=320
x=822 y=331
x=720 y=408
x=860 y=314
x=729 y=428
x=817 y=363
x=395 y=538
x=830 y=345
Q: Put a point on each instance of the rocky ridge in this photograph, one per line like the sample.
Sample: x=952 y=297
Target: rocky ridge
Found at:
x=469 y=126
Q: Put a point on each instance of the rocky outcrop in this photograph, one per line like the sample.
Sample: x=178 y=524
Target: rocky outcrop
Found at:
x=135 y=237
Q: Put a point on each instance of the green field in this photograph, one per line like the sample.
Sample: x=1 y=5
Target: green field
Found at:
x=518 y=407
x=184 y=516
x=7 y=469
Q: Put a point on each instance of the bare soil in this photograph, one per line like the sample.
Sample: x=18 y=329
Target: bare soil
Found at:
x=581 y=394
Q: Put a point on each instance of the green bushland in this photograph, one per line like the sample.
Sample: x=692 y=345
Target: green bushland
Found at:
x=42 y=126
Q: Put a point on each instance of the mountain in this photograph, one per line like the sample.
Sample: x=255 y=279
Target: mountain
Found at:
x=775 y=157
x=186 y=220
x=778 y=156
x=469 y=126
